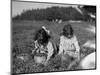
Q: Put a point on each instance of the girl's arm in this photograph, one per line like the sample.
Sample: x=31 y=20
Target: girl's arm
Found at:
x=36 y=46
x=76 y=44
x=77 y=52
x=61 y=45
x=50 y=51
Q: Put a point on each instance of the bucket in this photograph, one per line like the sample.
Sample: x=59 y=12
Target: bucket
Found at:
x=40 y=58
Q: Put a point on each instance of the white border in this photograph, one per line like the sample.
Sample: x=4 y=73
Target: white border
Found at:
x=5 y=36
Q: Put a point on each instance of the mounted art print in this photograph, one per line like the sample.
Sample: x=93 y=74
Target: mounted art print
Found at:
x=52 y=37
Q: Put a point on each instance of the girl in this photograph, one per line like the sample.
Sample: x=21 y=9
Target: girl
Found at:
x=43 y=43
x=69 y=43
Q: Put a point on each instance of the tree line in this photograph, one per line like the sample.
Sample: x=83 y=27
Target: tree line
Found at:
x=52 y=13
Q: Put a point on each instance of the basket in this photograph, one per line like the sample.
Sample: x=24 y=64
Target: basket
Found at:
x=40 y=58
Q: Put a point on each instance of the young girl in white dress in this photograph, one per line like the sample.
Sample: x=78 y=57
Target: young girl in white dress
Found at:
x=43 y=44
x=68 y=43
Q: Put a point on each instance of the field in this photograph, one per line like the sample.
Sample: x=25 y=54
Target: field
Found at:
x=22 y=45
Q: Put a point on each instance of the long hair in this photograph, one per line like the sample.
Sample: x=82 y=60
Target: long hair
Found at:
x=42 y=36
x=68 y=30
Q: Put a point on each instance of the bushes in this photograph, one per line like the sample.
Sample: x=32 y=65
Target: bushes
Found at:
x=50 y=14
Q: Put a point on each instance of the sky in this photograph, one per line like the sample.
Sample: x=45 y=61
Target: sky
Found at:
x=18 y=6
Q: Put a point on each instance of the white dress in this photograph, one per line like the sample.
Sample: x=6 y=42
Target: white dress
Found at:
x=69 y=46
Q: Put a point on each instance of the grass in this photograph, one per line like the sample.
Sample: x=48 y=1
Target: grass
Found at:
x=22 y=43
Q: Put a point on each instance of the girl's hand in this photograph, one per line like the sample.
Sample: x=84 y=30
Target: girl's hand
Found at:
x=76 y=52
x=78 y=55
x=33 y=51
x=45 y=63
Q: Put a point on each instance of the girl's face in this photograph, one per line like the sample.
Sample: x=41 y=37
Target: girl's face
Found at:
x=68 y=31
x=43 y=37
x=40 y=38
x=68 y=35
